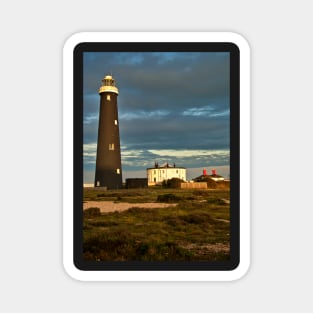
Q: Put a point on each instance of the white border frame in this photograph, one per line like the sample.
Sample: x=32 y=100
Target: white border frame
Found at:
x=68 y=240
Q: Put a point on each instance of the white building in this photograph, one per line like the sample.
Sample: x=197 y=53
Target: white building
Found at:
x=157 y=174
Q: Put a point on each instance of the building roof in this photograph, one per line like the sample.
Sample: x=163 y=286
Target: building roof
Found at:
x=165 y=167
x=201 y=177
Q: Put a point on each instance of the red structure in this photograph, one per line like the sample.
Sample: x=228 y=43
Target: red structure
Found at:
x=204 y=172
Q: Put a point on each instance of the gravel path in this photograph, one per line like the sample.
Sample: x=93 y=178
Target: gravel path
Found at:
x=110 y=206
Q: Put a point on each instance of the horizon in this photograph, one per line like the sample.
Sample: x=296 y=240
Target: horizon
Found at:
x=191 y=173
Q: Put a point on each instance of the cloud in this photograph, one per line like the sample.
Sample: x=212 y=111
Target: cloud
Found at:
x=141 y=114
x=173 y=107
x=188 y=153
x=208 y=111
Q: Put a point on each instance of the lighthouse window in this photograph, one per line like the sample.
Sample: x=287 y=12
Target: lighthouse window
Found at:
x=115 y=122
x=108 y=97
x=118 y=171
x=111 y=146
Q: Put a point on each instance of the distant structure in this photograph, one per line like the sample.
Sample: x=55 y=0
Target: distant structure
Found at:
x=136 y=183
x=157 y=174
x=213 y=176
x=108 y=164
x=193 y=185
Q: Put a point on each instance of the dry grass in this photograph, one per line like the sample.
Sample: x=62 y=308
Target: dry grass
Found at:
x=196 y=228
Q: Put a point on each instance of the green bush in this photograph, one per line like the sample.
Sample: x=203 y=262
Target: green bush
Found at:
x=92 y=212
x=168 y=198
x=172 y=183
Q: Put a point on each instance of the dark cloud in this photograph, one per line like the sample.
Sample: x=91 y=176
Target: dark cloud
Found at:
x=166 y=101
x=176 y=132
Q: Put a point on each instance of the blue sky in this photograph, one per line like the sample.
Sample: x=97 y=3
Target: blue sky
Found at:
x=173 y=107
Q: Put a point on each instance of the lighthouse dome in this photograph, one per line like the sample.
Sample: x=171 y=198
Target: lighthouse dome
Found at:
x=108 y=85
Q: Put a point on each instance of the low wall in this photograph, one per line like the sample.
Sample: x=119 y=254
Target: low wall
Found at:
x=193 y=185
x=136 y=183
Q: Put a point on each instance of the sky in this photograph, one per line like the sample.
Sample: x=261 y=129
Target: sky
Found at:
x=173 y=107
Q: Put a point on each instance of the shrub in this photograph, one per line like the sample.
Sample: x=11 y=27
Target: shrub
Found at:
x=168 y=197
x=92 y=212
x=172 y=183
x=211 y=183
x=223 y=184
x=200 y=218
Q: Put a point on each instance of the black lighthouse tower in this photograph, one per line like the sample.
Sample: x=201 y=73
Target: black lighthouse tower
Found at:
x=108 y=164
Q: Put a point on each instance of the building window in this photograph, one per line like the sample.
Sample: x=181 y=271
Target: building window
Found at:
x=98 y=183
x=115 y=122
x=108 y=97
x=118 y=171
x=111 y=146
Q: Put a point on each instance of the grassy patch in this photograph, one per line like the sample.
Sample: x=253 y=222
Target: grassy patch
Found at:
x=168 y=198
x=197 y=228
x=92 y=212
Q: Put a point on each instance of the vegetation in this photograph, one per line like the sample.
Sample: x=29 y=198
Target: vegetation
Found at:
x=92 y=212
x=151 y=194
x=172 y=183
x=168 y=198
x=196 y=229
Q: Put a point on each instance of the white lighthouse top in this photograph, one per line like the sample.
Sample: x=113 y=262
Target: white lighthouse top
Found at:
x=108 y=85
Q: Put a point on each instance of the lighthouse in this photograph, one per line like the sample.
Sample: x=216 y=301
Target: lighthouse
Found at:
x=108 y=164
